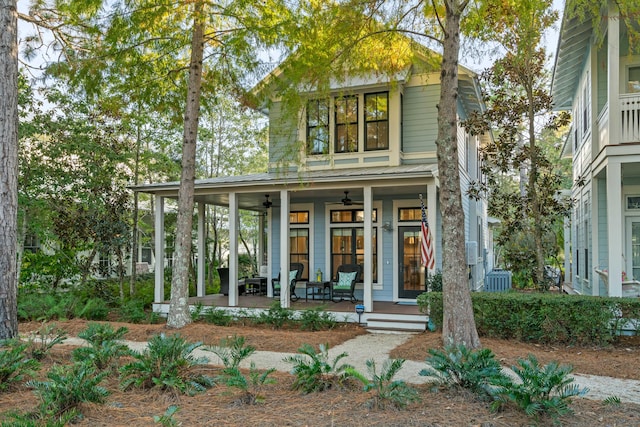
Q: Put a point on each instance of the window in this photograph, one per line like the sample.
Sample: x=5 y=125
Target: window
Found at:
x=346 y=134
x=376 y=121
x=299 y=248
x=31 y=243
x=317 y=127
x=409 y=214
x=347 y=247
x=633 y=202
x=586 y=100
x=299 y=217
x=351 y=215
x=633 y=80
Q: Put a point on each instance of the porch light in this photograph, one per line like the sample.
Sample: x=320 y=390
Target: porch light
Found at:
x=359 y=310
x=387 y=226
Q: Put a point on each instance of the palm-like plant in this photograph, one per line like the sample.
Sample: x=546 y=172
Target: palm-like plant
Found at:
x=167 y=363
x=314 y=371
x=14 y=365
x=104 y=345
x=385 y=388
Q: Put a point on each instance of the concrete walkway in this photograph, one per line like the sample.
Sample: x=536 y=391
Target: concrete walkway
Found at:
x=377 y=346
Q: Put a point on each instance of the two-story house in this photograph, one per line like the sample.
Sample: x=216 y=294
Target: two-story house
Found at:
x=343 y=186
x=597 y=78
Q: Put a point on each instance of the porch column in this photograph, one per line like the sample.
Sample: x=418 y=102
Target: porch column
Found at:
x=614 y=226
x=285 y=301
x=567 y=250
x=613 y=77
x=432 y=212
x=200 y=291
x=158 y=293
x=368 y=250
x=233 y=249
x=594 y=244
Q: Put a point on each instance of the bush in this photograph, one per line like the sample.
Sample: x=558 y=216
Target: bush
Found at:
x=104 y=347
x=542 y=317
x=217 y=316
x=315 y=372
x=276 y=316
x=541 y=389
x=14 y=365
x=232 y=352
x=434 y=282
x=66 y=388
x=93 y=309
x=316 y=319
x=475 y=370
x=132 y=311
x=386 y=389
x=43 y=340
x=168 y=364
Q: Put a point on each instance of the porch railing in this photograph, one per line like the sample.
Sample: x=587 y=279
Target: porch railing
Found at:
x=630 y=111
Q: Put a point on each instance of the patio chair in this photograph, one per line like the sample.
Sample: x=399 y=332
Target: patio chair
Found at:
x=344 y=284
x=295 y=274
x=223 y=272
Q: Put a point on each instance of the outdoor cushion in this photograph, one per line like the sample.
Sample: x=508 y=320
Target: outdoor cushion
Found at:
x=345 y=279
x=292 y=275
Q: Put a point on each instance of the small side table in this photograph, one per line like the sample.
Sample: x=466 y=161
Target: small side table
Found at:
x=256 y=285
x=318 y=289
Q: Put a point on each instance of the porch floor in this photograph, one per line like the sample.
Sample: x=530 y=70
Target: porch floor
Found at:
x=256 y=301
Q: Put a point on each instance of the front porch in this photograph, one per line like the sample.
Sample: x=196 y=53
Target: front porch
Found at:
x=386 y=315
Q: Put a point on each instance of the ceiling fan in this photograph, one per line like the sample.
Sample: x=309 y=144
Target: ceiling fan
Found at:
x=346 y=201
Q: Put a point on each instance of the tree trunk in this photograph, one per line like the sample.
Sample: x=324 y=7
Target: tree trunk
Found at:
x=179 y=315
x=8 y=168
x=459 y=326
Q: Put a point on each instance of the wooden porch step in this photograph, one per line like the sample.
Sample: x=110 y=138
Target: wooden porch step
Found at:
x=396 y=325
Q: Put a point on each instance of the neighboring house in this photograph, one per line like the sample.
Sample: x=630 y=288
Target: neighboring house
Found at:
x=599 y=82
x=343 y=185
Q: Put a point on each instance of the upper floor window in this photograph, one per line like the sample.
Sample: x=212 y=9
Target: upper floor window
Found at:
x=318 y=126
x=633 y=81
x=376 y=118
x=346 y=134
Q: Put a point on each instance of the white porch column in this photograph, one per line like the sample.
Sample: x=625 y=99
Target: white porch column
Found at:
x=285 y=301
x=614 y=225
x=613 y=74
x=201 y=250
x=158 y=293
x=567 y=249
x=233 y=249
x=432 y=212
x=368 y=250
x=595 y=261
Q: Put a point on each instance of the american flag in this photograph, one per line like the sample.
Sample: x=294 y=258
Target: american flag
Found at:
x=428 y=259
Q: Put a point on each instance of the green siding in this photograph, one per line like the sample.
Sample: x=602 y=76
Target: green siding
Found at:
x=420 y=118
x=282 y=135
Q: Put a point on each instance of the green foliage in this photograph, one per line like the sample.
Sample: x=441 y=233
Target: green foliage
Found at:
x=197 y=311
x=43 y=340
x=92 y=309
x=612 y=401
x=167 y=420
x=543 y=317
x=314 y=371
x=434 y=281
x=60 y=305
x=104 y=349
x=276 y=316
x=167 y=363
x=232 y=352
x=476 y=370
x=316 y=319
x=67 y=387
x=217 y=316
x=40 y=271
x=386 y=390
x=14 y=365
x=133 y=311
x=541 y=390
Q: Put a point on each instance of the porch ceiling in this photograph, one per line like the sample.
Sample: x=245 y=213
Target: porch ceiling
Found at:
x=406 y=180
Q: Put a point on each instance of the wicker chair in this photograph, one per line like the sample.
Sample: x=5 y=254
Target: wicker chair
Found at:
x=344 y=284
x=275 y=282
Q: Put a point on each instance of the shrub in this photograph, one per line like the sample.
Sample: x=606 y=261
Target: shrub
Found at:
x=92 y=309
x=385 y=388
x=132 y=311
x=104 y=348
x=232 y=352
x=541 y=389
x=217 y=316
x=67 y=387
x=43 y=340
x=315 y=372
x=316 y=319
x=14 y=365
x=167 y=419
x=542 y=317
x=434 y=282
x=476 y=370
x=276 y=316
x=168 y=364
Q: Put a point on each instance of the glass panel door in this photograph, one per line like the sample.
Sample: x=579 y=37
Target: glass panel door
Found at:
x=411 y=280
x=635 y=250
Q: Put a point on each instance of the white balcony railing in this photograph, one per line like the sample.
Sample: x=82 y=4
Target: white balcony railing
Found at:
x=630 y=112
